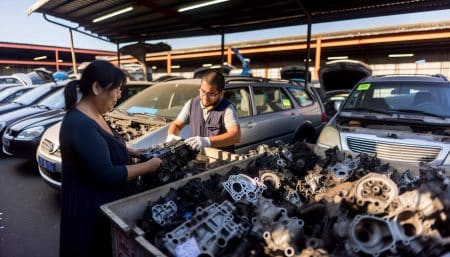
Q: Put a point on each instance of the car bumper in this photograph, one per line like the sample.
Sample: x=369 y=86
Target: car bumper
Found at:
x=20 y=148
x=49 y=167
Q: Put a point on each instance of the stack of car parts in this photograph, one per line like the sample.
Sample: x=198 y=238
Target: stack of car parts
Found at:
x=299 y=204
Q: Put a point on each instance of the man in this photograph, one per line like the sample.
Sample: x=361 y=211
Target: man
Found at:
x=212 y=118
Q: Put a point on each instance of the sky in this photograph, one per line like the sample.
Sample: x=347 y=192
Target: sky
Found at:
x=17 y=27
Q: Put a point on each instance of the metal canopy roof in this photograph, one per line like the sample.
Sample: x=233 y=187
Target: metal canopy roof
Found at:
x=159 y=19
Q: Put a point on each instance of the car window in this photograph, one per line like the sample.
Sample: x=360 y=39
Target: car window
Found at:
x=239 y=97
x=301 y=96
x=12 y=95
x=271 y=99
x=32 y=95
x=9 y=81
x=164 y=99
x=55 y=100
x=405 y=97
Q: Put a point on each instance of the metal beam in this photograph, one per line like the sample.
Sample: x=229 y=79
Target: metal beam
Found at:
x=173 y=14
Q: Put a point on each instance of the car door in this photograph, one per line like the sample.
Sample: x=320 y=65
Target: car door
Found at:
x=310 y=110
x=240 y=97
x=274 y=117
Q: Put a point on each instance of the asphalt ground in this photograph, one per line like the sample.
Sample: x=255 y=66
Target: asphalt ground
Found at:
x=29 y=219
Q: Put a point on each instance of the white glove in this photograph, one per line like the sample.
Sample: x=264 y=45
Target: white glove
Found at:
x=172 y=138
x=197 y=143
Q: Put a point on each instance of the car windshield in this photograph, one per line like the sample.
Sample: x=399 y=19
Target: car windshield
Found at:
x=401 y=97
x=54 y=100
x=9 y=91
x=32 y=95
x=163 y=99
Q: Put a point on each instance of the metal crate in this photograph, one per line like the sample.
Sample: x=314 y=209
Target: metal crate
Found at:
x=123 y=213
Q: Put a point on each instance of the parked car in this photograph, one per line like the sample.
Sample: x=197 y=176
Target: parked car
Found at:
x=224 y=69
x=398 y=118
x=54 y=102
x=12 y=80
x=29 y=98
x=23 y=136
x=8 y=94
x=336 y=80
x=268 y=111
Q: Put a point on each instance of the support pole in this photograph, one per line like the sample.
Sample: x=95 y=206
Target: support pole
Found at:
x=308 y=39
x=169 y=63
x=72 y=51
x=118 y=55
x=229 y=56
x=222 y=46
x=308 y=52
x=57 y=59
x=317 y=57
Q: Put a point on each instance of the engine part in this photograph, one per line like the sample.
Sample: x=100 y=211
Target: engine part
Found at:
x=163 y=212
x=376 y=192
x=244 y=187
x=284 y=236
x=174 y=156
x=368 y=234
x=341 y=171
x=211 y=228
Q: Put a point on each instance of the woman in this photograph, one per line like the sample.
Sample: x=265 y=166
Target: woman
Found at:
x=95 y=161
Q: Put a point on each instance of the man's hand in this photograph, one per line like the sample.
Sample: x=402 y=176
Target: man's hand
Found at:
x=197 y=143
x=172 y=138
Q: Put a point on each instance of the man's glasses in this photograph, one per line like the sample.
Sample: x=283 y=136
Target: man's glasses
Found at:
x=209 y=95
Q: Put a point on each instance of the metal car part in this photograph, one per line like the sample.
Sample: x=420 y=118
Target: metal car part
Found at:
x=163 y=212
x=244 y=187
x=212 y=228
x=343 y=170
x=376 y=192
x=369 y=234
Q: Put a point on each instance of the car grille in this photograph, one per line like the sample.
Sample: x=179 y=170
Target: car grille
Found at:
x=47 y=147
x=393 y=151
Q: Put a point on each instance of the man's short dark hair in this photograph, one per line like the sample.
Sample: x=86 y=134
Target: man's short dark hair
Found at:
x=214 y=78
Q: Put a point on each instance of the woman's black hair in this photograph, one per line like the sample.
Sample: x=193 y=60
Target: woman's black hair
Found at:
x=106 y=74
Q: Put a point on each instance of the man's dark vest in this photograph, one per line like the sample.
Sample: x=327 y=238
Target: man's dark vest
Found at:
x=214 y=124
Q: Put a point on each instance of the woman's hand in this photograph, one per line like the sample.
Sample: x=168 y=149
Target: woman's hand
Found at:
x=154 y=164
x=135 y=152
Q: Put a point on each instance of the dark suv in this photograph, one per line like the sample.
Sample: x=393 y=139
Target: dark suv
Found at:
x=399 y=118
x=268 y=111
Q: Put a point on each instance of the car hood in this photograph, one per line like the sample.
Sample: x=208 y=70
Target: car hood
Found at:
x=20 y=113
x=342 y=74
x=9 y=106
x=41 y=119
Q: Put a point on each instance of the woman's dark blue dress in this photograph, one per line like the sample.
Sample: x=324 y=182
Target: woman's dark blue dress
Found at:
x=94 y=173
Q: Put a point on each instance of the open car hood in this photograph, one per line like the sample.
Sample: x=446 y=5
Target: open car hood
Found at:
x=342 y=74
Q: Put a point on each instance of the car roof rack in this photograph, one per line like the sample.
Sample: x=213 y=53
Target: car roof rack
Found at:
x=406 y=75
x=231 y=79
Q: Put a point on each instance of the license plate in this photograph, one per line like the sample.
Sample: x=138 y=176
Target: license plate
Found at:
x=49 y=166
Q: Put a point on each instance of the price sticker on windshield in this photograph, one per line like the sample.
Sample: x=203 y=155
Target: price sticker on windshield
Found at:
x=363 y=87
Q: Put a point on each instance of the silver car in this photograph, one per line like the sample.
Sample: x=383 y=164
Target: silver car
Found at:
x=268 y=111
x=398 y=118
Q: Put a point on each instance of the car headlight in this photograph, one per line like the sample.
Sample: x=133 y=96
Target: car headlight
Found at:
x=31 y=133
x=2 y=125
x=329 y=138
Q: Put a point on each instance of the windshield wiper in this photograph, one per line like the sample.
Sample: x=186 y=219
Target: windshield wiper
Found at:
x=368 y=110
x=43 y=107
x=19 y=103
x=418 y=112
